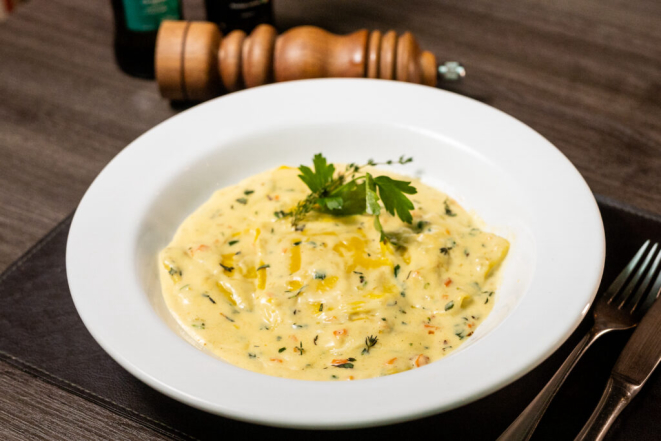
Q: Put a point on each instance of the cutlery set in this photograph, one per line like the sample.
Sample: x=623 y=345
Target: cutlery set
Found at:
x=628 y=302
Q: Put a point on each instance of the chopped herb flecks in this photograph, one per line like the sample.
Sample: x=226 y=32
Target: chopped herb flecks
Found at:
x=300 y=290
x=344 y=365
x=228 y=318
x=448 y=211
x=361 y=278
x=209 y=297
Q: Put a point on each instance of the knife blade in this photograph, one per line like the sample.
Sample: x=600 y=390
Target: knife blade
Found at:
x=642 y=353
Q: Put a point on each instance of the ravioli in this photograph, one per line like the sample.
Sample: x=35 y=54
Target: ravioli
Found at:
x=328 y=300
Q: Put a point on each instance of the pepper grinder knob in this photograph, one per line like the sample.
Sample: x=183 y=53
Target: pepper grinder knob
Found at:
x=451 y=71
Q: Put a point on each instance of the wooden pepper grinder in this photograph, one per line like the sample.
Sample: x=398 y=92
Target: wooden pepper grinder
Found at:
x=195 y=62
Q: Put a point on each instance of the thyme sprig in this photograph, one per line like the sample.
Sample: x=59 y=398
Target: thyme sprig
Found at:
x=370 y=342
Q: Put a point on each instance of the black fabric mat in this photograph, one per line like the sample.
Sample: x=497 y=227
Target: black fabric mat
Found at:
x=40 y=333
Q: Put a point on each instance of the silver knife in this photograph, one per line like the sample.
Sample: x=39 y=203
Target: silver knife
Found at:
x=636 y=363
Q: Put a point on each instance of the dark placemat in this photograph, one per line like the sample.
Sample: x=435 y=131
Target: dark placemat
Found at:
x=40 y=333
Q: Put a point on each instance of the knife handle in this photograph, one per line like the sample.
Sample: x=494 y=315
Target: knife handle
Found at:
x=194 y=61
x=617 y=395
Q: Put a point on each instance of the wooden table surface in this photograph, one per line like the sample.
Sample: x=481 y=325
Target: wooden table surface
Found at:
x=586 y=74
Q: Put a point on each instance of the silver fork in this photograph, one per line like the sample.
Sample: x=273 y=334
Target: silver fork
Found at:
x=610 y=314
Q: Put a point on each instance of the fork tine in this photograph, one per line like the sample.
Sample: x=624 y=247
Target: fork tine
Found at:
x=615 y=287
x=640 y=293
x=634 y=281
x=654 y=292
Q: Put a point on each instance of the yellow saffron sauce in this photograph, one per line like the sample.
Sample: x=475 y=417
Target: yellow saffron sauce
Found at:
x=328 y=300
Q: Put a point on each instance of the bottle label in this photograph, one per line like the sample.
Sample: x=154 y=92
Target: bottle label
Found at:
x=146 y=15
x=247 y=4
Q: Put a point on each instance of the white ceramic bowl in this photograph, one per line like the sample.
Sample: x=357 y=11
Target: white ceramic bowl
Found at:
x=512 y=177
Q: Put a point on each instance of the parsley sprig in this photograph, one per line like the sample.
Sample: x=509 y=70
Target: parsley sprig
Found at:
x=351 y=192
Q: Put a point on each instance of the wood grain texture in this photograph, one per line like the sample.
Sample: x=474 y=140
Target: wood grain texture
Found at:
x=229 y=60
x=258 y=58
x=311 y=52
x=168 y=62
x=32 y=409
x=586 y=74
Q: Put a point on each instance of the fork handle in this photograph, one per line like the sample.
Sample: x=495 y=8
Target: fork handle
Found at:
x=523 y=427
x=617 y=395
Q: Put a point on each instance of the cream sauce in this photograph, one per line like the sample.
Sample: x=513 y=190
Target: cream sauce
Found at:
x=309 y=304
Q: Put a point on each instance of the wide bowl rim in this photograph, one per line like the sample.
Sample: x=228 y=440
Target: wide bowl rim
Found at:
x=167 y=380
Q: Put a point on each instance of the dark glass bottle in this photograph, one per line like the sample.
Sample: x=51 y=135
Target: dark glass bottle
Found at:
x=136 y=25
x=239 y=14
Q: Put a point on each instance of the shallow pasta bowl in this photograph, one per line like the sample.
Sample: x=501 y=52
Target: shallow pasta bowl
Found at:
x=508 y=174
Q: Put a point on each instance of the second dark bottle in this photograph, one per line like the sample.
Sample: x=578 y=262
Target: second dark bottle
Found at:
x=239 y=14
